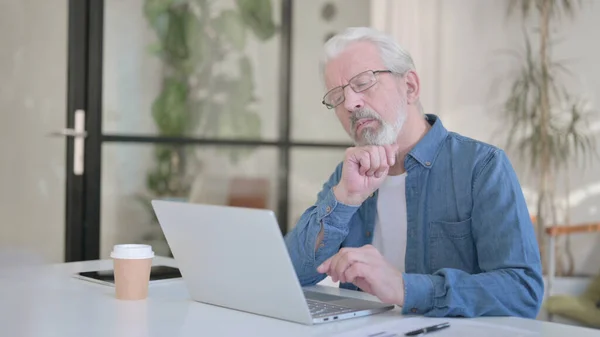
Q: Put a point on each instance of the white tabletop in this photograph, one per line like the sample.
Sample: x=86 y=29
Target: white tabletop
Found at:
x=48 y=301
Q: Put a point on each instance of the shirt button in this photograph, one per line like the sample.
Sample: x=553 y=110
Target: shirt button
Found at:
x=428 y=163
x=368 y=234
x=328 y=209
x=322 y=245
x=371 y=196
x=414 y=310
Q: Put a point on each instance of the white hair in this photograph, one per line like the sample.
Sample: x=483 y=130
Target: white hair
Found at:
x=394 y=56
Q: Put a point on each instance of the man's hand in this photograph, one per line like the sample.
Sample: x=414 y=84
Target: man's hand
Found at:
x=367 y=269
x=364 y=169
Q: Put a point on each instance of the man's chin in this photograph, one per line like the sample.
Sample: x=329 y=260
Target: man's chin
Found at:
x=378 y=139
x=373 y=142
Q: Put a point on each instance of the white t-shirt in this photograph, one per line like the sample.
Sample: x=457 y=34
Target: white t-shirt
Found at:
x=389 y=235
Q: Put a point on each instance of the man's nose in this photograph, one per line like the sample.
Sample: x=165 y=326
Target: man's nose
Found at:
x=352 y=100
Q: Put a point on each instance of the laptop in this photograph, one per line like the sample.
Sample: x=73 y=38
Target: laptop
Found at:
x=236 y=258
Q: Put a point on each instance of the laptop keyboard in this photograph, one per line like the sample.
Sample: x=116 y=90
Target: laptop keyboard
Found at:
x=325 y=309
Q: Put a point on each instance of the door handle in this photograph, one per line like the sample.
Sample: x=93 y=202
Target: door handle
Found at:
x=79 y=134
x=68 y=133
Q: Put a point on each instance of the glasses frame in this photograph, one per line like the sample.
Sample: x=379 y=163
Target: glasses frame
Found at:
x=375 y=72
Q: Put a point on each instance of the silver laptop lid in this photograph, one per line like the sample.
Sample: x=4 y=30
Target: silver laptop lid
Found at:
x=233 y=257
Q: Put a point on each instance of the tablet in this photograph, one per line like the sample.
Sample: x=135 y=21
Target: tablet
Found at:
x=157 y=273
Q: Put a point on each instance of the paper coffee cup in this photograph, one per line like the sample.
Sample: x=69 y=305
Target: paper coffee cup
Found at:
x=132 y=265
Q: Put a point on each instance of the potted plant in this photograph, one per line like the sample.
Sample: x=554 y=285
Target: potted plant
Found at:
x=547 y=124
x=194 y=40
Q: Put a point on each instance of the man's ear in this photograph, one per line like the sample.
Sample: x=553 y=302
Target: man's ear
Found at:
x=413 y=87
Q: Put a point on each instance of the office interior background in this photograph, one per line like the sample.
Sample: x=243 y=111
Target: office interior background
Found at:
x=195 y=100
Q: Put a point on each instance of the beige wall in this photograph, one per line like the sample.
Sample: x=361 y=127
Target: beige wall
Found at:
x=33 y=68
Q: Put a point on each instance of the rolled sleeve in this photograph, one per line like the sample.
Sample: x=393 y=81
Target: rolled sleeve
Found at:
x=418 y=293
x=334 y=216
x=337 y=213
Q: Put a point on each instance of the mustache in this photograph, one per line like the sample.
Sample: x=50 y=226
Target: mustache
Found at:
x=363 y=113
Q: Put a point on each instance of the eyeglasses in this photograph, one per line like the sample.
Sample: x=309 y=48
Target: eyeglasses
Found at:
x=358 y=83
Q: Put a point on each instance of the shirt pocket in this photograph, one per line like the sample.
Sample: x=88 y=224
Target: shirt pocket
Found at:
x=451 y=245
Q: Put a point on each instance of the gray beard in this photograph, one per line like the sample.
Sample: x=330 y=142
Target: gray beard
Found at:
x=381 y=134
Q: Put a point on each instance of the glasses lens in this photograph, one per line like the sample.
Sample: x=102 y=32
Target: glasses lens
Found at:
x=358 y=83
x=363 y=81
x=334 y=98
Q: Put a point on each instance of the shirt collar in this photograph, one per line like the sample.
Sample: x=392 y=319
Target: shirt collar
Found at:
x=426 y=150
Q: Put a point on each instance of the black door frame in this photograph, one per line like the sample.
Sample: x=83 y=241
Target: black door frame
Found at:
x=84 y=92
x=83 y=209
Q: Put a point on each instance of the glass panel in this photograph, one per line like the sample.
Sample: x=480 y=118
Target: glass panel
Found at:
x=310 y=169
x=313 y=23
x=33 y=64
x=208 y=75
x=132 y=174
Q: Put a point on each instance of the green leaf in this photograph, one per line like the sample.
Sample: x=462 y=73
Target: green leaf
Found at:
x=239 y=153
x=229 y=22
x=258 y=16
x=222 y=83
x=251 y=126
x=226 y=122
x=175 y=41
x=157 y=182
x=155 y=49
x=557 y=8
x=170 y=108
x=196 y=42
x=243 y=90
x=162 y=153
x=155 y=8
x=156 y=12
x=215 y=116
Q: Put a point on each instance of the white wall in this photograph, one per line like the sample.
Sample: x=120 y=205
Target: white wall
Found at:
x=468 y=36
x=33 y=69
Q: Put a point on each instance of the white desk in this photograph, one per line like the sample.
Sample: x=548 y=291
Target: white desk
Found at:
x=47 y=301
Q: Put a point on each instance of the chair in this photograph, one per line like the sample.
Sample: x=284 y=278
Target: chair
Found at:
x=249 y=192
x=583 y=307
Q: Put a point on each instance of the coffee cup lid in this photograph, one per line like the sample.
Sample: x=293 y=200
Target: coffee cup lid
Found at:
x=132 y=251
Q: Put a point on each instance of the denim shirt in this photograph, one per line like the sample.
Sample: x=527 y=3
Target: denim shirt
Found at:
x=471 y=249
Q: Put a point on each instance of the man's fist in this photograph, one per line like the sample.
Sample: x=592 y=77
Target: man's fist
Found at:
x=363 y=171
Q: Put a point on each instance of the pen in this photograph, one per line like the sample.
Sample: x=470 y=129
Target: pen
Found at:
x=428 y=329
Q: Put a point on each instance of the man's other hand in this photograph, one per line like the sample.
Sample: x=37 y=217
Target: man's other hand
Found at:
x=367 y=269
